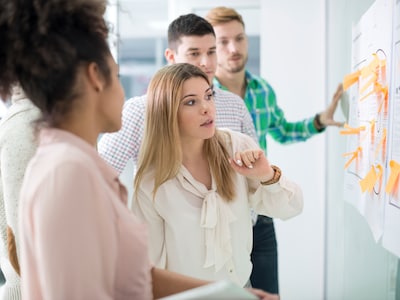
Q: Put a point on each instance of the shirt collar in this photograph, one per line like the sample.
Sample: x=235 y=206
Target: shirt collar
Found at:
x=217 y=84
x=250 y=79
x=215 y=219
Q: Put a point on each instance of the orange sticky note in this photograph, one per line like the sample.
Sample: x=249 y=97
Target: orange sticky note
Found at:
x=354 y=155
x=382 y=63
x=378 y=89
x=369 y=83
x=369 y=181
x=350 y=79
x=372 y=131
x=382 y=144
x=380 y=174
x=393 y=177
x=371 y=67
x=351 y=130
x=384 y=102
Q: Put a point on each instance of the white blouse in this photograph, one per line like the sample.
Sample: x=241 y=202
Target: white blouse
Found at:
x=193 y=231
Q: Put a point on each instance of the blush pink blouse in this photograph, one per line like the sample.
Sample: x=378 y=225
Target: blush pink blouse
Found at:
x=78 y=239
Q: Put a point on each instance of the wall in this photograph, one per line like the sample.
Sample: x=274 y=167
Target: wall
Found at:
x=293 y=61
x=357 y=267
x=328 y=252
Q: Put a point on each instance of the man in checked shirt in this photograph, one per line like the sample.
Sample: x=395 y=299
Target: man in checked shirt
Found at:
x=268 y=117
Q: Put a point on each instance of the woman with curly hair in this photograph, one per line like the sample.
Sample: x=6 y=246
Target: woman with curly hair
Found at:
x=78 y=239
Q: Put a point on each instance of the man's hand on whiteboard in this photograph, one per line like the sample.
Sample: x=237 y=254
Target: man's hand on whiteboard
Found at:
x=325 y=118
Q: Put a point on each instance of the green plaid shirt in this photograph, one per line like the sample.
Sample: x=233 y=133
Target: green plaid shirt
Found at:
x=268 y=117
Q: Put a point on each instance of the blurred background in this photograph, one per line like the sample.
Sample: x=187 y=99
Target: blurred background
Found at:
x=142 y=31
x=303 y=49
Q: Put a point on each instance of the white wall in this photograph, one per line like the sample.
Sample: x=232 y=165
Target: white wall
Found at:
x=111 y=15
x=249 y=9
x=328 y=252
x=150 y=18
x=293 y=61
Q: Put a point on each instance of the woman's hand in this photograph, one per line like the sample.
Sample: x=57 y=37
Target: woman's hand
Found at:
x=263 y=295
x=252 y=164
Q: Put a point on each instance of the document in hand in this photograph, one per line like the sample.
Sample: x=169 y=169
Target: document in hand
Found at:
x=220 y=290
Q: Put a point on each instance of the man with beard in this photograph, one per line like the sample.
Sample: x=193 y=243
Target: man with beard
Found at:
x=268 y=117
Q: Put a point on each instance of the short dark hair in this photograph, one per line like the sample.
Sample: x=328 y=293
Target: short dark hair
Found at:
x=187 y=25
x=44 y=43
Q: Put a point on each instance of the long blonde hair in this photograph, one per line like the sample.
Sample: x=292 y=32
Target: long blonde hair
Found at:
x=161 y=150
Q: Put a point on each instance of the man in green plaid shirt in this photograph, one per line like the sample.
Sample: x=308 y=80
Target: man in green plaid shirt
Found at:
x=268 y=117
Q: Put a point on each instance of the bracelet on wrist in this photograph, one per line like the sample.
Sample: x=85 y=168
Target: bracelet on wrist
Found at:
x=275 y=179
x=317 y=122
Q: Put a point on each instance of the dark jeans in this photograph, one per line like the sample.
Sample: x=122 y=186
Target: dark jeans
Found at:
x=264 y=256
x=2 y=279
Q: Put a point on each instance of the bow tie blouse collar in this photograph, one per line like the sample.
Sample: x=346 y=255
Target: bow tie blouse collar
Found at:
x=215 y=220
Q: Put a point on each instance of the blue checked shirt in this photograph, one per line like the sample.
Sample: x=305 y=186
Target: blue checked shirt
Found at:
x=268 y=117
x=119 y=147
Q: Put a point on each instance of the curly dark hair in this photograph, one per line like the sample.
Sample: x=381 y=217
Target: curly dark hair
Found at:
x=44 y=42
